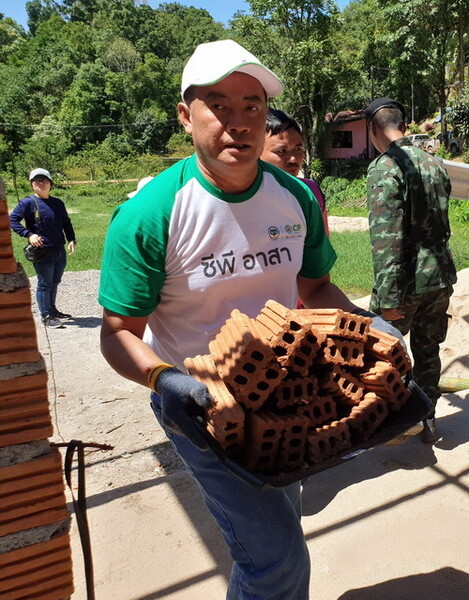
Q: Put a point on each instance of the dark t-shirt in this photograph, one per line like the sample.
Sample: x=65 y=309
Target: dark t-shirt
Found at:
x=54 y=226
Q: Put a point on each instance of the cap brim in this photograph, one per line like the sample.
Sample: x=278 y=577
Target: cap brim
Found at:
x=269 y=81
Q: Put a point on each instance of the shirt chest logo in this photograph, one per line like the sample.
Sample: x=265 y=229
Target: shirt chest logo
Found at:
x=286 y=231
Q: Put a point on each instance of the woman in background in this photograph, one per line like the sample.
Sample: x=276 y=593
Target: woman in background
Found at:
x=46 y=224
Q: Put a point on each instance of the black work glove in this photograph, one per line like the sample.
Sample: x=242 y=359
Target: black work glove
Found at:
x=380 y=324
x=182 y=398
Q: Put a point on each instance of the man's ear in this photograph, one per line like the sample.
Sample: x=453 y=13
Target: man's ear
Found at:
x=184 y=114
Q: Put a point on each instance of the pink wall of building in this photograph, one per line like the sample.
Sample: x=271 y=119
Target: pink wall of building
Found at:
x=359 y=143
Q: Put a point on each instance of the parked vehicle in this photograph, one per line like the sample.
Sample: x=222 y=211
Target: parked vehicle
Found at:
x=432 y=145
x=418 y=139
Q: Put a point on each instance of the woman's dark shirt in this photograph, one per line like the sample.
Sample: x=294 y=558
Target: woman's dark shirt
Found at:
x=54 y=220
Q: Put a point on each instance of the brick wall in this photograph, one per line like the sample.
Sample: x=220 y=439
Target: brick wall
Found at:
x=35 y=555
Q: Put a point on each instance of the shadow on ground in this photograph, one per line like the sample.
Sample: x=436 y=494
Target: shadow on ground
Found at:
x=444 y=584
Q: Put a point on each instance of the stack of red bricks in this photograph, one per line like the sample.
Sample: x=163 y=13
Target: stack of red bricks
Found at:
x=292 y=388
x=35 y=554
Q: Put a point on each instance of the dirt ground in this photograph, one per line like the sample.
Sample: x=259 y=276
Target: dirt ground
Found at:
x=91 y=403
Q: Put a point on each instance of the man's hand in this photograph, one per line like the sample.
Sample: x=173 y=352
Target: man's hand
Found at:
x=71 y=247
x=182 y=397
x=391 y=314
x=35 y=240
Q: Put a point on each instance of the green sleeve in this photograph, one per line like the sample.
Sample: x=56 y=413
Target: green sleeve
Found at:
x=133 y=266
x=385 y=193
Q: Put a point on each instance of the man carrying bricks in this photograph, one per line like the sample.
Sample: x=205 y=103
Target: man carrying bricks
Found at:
x=218 y=231
x=408 y=193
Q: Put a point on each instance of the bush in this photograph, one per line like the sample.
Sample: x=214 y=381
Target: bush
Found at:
x=340 y=191
x=442 y=152
x=414 y=128
x=317 y=169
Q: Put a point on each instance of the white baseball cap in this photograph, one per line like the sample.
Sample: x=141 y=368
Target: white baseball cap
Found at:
x=213 y=61
x=35 y=172
x=140 y=184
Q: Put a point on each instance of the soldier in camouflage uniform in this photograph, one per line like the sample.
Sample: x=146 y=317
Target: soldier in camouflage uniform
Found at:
x=408 y=192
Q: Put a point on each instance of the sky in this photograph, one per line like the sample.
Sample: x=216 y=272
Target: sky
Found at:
x=221 y=10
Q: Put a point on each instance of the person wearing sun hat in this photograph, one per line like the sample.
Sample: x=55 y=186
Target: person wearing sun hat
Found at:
x=408 y=195
x=47 y=225
x=181 y=255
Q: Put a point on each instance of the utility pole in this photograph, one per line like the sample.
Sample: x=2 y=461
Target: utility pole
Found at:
x=412 y=101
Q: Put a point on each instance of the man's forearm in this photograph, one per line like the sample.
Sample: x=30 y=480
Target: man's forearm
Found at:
x=126 y=353
x=328 y=296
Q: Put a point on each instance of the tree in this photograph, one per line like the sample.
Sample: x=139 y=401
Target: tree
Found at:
x=422 y=38
x=39 y=11
x=294 y=37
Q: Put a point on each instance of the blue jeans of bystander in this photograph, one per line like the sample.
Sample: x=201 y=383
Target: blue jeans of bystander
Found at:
x=49 y=275
x=261 y=527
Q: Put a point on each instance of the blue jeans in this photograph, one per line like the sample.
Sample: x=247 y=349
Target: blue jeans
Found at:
x=49 y=275
x=261 y=527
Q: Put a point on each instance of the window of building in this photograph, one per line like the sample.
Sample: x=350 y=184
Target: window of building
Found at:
x=342 y=139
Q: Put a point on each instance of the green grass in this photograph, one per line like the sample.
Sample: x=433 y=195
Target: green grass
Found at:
x=91 y=207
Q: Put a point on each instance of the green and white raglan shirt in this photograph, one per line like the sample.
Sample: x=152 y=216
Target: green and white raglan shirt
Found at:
x=186 y=254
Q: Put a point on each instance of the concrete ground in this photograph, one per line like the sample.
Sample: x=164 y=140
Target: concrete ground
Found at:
x=389 y=525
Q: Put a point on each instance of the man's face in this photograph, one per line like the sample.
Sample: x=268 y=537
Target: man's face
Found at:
x=41 y=186
x=227 y=123
x=284 y=150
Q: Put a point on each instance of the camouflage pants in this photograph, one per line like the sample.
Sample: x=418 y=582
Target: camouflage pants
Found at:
x=427 y=320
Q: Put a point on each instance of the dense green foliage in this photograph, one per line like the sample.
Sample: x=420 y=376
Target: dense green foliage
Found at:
x=97 y=81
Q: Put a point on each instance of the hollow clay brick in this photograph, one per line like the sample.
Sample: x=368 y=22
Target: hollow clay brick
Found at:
x=342 y=352
x=8 y=265
x=290 y=337
x=343 y=386
x=18 y=297
x=365 y=418
x=333 y=321
x=32 y=494
x=384 y=346
x=225 y=418
x=4 y=222
x=17 y=384
x=244 y=362
x=263 y=432
x=295 y=391
x=291 y=453
x=386 y=381
x=321 y=410
x=29 y=558
x=58 y=587
x=327 y=441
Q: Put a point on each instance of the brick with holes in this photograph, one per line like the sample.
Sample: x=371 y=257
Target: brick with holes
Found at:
x=225 y=418
x=319 y=411
x=245 y=362
x=333 y=321
x=384 y=346
x=293 y=341
x=291 y=452
x=327 y=441
x=342 y=352
x=381 y=378
x=365 y=418
x=345 y=388
x=263 y=433
x=295 y=391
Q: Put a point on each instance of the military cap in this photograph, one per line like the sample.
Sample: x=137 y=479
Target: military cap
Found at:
x=380 y=103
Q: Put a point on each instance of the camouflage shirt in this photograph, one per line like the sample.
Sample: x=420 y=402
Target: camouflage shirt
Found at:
x=408 y=192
